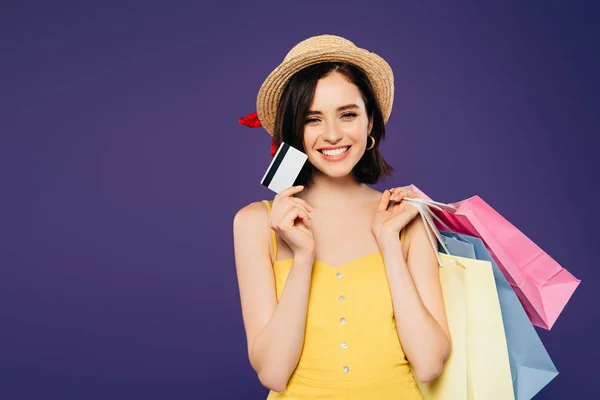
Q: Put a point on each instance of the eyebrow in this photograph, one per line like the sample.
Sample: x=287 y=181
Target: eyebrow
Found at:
x=342 y=108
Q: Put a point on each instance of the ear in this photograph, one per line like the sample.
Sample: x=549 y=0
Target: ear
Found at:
x=370 y=127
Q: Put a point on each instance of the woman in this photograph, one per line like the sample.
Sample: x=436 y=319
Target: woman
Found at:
x=339 y=284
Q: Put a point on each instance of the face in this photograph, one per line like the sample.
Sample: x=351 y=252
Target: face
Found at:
x=338 y=122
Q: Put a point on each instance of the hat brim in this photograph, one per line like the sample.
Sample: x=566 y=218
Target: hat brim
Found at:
x=376 y=68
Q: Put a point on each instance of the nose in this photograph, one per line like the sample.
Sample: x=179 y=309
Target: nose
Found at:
x=332 y=133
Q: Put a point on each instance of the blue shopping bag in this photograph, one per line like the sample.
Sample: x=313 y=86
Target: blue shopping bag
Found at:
x=530 y=365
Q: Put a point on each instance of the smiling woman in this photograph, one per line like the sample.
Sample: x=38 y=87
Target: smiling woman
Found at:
x=339 y=285
x=332 y=106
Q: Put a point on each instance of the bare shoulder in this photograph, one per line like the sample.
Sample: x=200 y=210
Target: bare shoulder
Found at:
x=376 y=193
x=250 y=227
x=255 y=212
x=374 y=196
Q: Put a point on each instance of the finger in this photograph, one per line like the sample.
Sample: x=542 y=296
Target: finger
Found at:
x=384 y=201
x=287 y=192
x=304 y=212
x=401 y=194
x=410 y=195
x=299 y=212
x=289 y=202
x=398 y=193
x=395 y=198
x=294 y=202
x=287 y=221
x=303 y=203
x=304 y=218
x=291 y=216
x=395 y=193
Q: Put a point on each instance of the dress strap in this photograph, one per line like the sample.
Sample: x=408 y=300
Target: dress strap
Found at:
x=402 y=234
x=273 y=236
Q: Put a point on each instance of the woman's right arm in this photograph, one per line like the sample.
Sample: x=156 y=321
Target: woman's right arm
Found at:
x=274 y=330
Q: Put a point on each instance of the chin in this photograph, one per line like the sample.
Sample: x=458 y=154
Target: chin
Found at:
x=333 y=169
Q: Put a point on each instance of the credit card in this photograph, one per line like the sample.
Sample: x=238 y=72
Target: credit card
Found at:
x=284 y=168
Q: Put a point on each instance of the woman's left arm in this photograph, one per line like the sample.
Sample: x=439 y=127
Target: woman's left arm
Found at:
x=417 y=299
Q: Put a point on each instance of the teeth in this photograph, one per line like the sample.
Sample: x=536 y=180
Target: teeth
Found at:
x=336 y=152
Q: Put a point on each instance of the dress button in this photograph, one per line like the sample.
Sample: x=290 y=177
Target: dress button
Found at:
x=339 y=275
x=342 y=297
x=346 y=369
x=342 y=320
x=344 y=345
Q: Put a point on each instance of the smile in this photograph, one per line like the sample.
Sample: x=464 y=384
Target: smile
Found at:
x=335 y=155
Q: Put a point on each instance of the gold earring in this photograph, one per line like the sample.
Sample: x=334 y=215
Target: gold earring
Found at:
x=372 y=145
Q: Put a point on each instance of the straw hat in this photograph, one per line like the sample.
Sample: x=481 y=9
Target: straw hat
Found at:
x=319 y=49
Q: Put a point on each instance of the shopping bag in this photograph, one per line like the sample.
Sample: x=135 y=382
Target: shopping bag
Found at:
x=530 y=365
x=541 y=284
x=478 y=367
x=453 y=382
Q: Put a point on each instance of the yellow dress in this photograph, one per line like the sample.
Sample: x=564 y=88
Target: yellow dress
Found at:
x=351 y=347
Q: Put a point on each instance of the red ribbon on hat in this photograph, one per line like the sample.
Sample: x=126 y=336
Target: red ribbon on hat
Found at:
x=251 y=121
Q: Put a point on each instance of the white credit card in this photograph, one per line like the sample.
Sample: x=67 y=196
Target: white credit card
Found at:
x=284 y=168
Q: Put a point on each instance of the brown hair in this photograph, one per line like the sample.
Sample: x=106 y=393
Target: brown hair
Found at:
x=293 y=108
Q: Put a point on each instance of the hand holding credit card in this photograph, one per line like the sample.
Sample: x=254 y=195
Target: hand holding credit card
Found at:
x=284 y=168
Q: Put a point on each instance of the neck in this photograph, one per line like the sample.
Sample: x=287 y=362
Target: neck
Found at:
x=332 y=192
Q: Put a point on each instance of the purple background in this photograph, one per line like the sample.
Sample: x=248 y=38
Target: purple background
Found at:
x=122 y=165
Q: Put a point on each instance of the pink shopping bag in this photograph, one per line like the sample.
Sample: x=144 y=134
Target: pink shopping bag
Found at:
x=541 y=284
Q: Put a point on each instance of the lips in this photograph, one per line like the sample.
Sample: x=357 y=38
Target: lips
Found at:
x=334 y=151
x=336 y=157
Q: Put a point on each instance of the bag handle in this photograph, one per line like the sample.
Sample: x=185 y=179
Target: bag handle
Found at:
x=432 y=230
x=436 y=205
x=430 y=227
